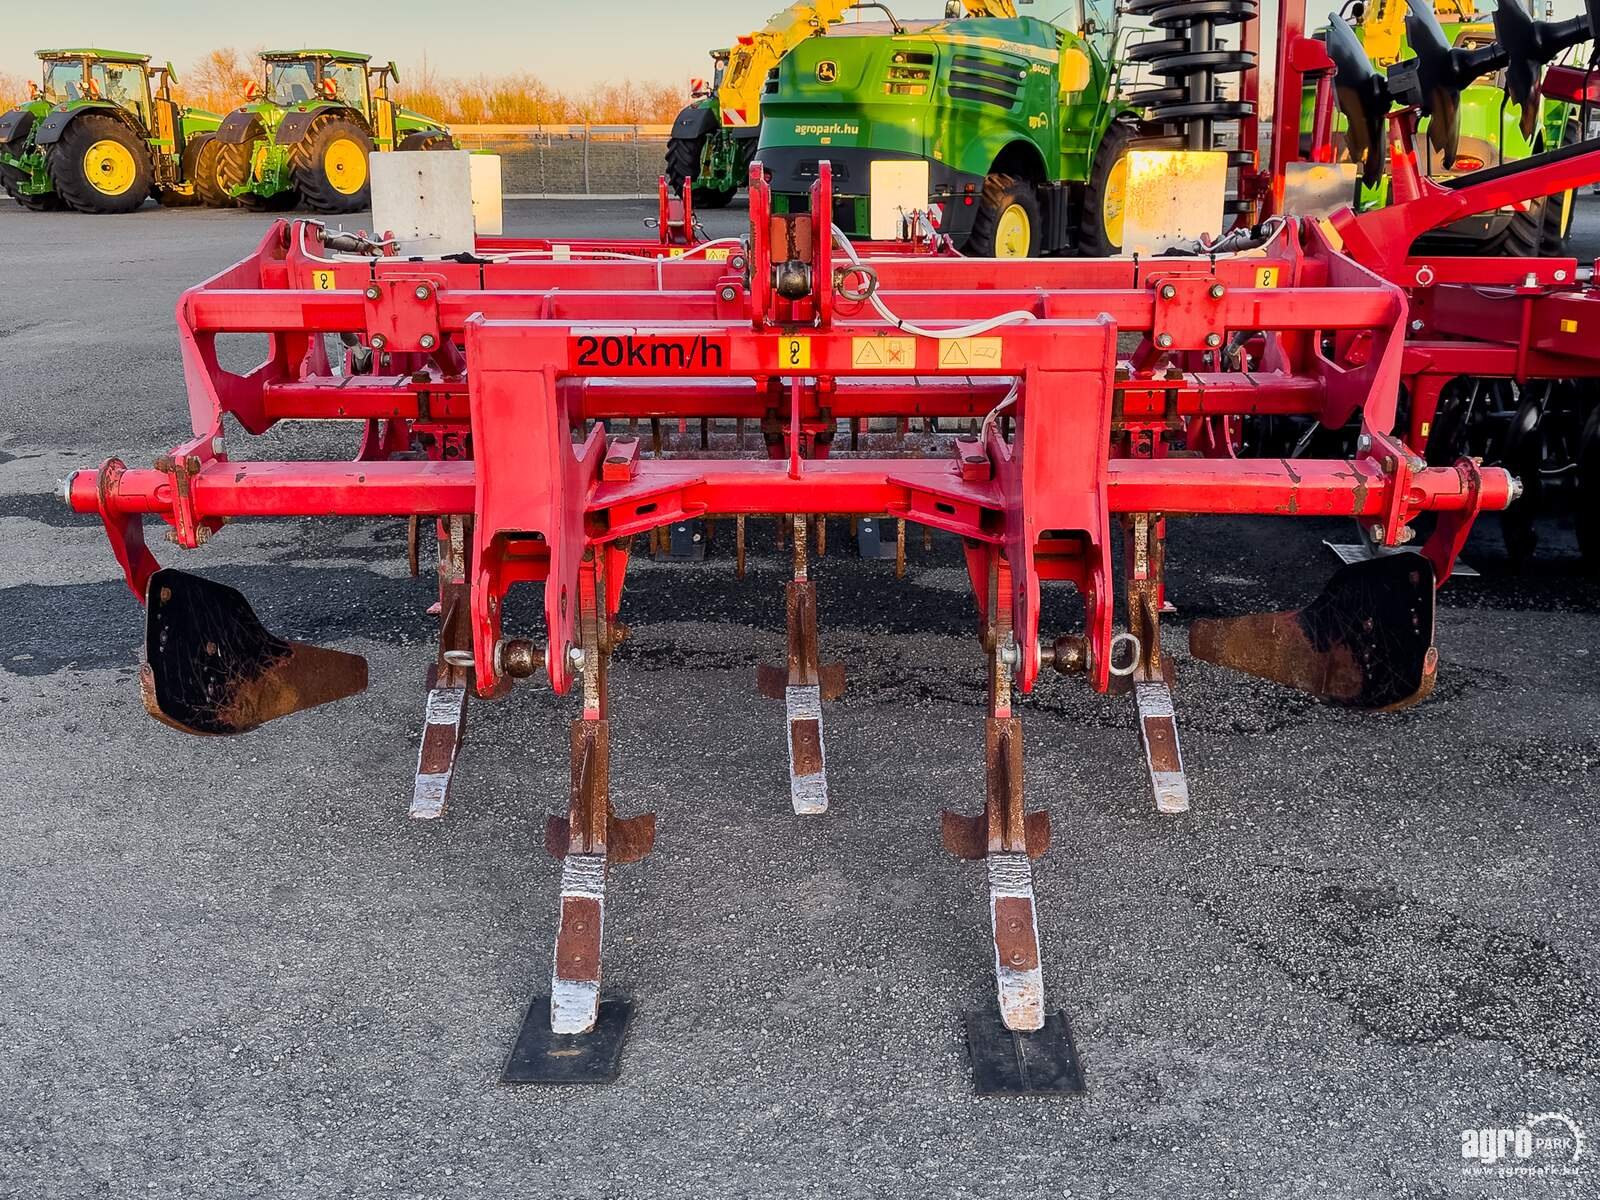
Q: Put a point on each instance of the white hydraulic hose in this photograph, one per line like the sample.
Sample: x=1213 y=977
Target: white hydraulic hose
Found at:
x=960 y=331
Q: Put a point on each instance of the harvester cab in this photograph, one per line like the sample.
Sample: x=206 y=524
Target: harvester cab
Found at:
x=308 y=126
x=100 y=133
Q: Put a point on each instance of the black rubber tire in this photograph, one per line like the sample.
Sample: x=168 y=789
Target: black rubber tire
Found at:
x=1523 y=456
x=1000 y=193
x=1586 y=507
x=426 y=139
x=1542 y=230
x=206 y=187
x=232 y=170
x=65 y=162
x=1093 y=241
x=683 y=162
x=10 y=178
x=306 y=164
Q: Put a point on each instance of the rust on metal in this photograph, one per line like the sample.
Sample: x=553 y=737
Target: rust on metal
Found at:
x=211 y=667
x=1366 y=641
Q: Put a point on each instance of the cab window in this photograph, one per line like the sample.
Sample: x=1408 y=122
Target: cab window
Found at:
x=349 y=84
x=123 y=85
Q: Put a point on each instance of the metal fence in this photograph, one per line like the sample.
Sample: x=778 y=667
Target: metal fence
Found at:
x=539 y=161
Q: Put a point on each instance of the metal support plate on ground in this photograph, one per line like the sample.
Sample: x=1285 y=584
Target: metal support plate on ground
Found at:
x=1007 y=1063
x=542 y=1056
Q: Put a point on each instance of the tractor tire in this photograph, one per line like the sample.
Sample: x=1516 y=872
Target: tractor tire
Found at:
x=1009 y=223
x=1100 y=224
x=232 y=170
x=684 y=155
x=426 y=139
x=207 y=188
x=100 y=166
x=1541 y=231
x=329 y=165
x=11 y=180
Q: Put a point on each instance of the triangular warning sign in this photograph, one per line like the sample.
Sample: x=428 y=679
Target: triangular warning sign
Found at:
x=867 y=354
x=955 y=355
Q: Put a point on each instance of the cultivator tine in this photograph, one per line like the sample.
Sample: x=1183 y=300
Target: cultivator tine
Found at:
x=1007 y=836
x=1366 y=641
x=211 y=667
x=803 y=687
x=577 y=1038
x=1145 y=544
x=449 y=680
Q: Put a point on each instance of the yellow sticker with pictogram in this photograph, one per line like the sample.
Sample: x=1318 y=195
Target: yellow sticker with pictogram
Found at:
x=1569 y=325
x=323 y=281
x=718 y=253
x=677 y=251
x=956 y=354
x=1266 y=277
x=794 y=354
x=883 y=353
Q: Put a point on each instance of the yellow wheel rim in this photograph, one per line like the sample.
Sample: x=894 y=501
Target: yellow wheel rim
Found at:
x=1114 y=200
x=1013 y=234
x=345 y=164
x=109 y=167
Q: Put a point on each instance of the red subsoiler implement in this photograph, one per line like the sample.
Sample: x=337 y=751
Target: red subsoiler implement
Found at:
x=491 y=388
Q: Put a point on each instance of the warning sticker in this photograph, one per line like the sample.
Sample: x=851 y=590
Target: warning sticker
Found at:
x=794 y=353
x=323 y=281
x=883 y=353
x=1266 y=277
x=976 y=353
x=718 y=253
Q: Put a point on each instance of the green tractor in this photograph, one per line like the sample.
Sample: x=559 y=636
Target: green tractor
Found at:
x=715 y=156
x=101 y=133
x=1020 y=121
x=305 y=131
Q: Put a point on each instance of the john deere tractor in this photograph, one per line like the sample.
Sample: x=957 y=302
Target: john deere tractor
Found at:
x=307 y=127
x=101 y=133
x=712 y=154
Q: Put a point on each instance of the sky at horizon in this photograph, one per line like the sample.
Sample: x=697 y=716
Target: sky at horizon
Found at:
x=569 y=45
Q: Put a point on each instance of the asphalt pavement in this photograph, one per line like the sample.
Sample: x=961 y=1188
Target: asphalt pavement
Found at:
x=234 y=968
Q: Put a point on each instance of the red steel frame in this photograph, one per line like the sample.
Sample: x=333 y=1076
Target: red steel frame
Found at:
x=507 y=371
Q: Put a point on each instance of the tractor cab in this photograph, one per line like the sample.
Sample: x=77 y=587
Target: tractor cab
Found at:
x=74 y=76
x=298 y=78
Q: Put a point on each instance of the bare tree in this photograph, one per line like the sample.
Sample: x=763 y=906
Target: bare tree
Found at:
x=218 y=81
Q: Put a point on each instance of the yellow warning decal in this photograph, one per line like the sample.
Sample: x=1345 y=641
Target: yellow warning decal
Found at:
x=794 y=354
x=323 y=281
x=962 y=353
x=1266 y=277
x=1568 y=325
x=677 y=251
x=883 y=353
x=718 y=253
